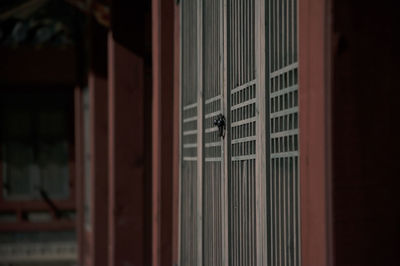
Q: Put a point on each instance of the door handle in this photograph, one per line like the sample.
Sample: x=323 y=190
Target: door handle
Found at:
x=220 y=123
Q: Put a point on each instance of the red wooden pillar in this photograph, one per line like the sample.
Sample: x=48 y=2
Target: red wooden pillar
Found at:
x=78 y=124
x=163 y=129
x=99 y=169
x=126 y=156
x=176 y=121
x=315 y=130
x=93 y=226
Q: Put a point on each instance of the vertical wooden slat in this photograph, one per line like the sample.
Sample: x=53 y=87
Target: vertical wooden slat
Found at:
x=213 y=145
x=240 y=164
x=282 y=119
x=190 y=228
x=261 y=132
x=273 y=35
x=243 y=93
x=226 y=145
x=200 y=145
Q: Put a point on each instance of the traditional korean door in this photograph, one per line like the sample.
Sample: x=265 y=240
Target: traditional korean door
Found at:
x=239 y=151
x=203 y=232
x=282 y=91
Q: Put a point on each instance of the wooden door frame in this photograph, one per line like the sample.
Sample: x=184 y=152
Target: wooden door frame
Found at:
x=200 y=139
x=176 y=138
x=226 y=144
x=178 y=117
x=261 y=134
x=315 y=131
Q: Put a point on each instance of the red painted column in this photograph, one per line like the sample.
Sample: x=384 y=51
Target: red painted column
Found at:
x=315 y=130
x=156 y=135
x=176 y=121
x=126 y=156
x=98 y=241
x=163 y=129
x=78 y=123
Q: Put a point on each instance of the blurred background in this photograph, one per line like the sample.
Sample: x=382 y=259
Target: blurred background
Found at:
x=45 y=51
x=61 y=172
x=40 y=43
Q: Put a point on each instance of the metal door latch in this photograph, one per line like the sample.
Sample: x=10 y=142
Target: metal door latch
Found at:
x=220 y=123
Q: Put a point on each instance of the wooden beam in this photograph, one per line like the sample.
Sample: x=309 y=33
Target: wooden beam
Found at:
x=29 y=66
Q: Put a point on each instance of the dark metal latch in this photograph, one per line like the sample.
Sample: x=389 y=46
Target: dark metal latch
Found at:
x=220 y=123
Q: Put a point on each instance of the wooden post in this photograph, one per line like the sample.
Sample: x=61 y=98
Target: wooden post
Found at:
x=315 y=120
x=162 y=130
x=126 y=156
x=99 y=168
x=79 y=172
x=176 y=104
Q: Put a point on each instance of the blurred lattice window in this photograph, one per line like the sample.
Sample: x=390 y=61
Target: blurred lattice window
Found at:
x=35 y=145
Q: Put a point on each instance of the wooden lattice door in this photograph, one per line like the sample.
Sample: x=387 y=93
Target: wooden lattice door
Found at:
x=238 y=193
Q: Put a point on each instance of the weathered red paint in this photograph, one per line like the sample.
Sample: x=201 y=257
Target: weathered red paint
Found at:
x=315 y=119
x=126 y=156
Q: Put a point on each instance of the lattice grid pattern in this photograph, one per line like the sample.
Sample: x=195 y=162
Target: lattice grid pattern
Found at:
x=189 y=132
x=283 y=184
x=203 y=164
x=212 y=176
x=243 y=92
